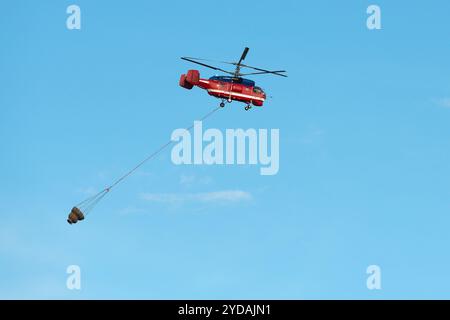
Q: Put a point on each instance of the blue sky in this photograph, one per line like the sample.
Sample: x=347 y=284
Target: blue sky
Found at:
x=364 y=151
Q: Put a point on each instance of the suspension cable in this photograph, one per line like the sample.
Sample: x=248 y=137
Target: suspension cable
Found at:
x=88 y=204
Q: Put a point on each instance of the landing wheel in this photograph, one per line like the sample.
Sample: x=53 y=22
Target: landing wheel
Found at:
x=222 y=104
x=247 y=108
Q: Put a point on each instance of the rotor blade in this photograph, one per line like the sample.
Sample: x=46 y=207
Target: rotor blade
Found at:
x=210 y=60
x=200 y=59
x=244 y=54
x=259 y=69
x=206 y=65
x=278 y=73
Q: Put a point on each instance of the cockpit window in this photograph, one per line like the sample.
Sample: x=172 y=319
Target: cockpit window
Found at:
x=245 y=82
x=258 y=90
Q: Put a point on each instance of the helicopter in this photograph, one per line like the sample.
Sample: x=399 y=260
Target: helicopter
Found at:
x=232 y=87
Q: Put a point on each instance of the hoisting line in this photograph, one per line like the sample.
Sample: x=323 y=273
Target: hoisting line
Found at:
x=88 y=204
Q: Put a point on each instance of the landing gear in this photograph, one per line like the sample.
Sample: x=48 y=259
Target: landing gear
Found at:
x=247 y=107
x=222 y=104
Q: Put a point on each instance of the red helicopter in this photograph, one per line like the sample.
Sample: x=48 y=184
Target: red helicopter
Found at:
x=229 y=88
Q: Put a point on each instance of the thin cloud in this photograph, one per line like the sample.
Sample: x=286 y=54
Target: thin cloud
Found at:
x=444 y=102
x=228 y=195
x=88 y=191
x=225 y=196
x=187 y=179
x=130 y=210
x=190 y=180
x=312 y=135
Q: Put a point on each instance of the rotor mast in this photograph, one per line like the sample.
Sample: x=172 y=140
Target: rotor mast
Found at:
x=237 y=72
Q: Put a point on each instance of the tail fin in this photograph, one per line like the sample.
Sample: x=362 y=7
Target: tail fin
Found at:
x=192 y=78
x=184 y=83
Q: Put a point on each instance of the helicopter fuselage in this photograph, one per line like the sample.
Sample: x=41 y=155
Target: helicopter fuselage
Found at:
x=226 y=88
